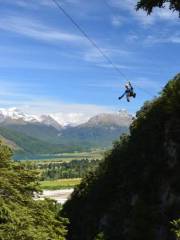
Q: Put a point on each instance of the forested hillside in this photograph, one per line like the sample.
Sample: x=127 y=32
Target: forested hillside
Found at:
x=135 y=193
x=26 y=146
x=21 y=217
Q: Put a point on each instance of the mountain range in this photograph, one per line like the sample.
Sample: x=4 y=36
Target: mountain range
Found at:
x=32 y=135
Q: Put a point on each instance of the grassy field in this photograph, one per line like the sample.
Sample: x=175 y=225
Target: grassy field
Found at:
x=67 y=157
x=60 y=184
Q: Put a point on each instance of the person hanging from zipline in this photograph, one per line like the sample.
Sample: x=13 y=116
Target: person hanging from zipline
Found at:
x=129 y=92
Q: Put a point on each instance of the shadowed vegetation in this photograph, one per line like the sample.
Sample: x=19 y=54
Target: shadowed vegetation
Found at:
x=134 y=194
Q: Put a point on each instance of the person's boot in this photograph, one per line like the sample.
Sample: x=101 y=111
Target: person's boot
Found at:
x=134 y=95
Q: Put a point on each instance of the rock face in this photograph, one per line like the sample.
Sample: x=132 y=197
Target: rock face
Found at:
x=135 y=193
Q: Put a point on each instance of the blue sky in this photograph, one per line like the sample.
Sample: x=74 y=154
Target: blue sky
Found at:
x=47 y=66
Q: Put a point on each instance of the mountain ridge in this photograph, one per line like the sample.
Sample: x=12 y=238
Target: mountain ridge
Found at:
x=98 y=132
x=14 y=115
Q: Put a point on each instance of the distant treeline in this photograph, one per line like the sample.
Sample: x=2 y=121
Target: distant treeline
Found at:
x=73 y=169
x=60 y=170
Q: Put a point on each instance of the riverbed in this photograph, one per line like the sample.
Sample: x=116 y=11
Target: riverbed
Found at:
x=61 y=196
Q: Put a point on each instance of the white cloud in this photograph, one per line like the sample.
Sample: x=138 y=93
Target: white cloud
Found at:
x=30 y=4
x=132 y=37
x=12 y=95
x=117 y=21
x=166 y=14
x=142 y=83
x=54 y=107
x=163 y=38
x=33 y=64
x=37 y=30
x=113 y=85
x=175 y=39
x=119 y=66
x=147 y=84
x=73 y=1
x=70 y=118
x=12 y=87
x=94 y=56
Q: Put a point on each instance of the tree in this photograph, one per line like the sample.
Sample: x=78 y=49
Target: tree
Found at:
x=21 y=217
x=149 y=5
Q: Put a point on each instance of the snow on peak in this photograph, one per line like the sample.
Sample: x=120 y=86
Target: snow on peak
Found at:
x=50 y=121
x=70 y=119
x=61 y=119
x=16 y=114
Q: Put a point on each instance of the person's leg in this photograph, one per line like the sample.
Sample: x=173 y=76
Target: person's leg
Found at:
x=128 y=97
x=121 y=96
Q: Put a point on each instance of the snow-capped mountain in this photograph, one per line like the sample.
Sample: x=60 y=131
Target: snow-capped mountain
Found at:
x=44 y=134
x=122 y=118
x=50 y=121
x=15 y=116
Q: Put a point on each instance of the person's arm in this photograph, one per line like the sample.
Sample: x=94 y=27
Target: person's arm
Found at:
x=130 y=85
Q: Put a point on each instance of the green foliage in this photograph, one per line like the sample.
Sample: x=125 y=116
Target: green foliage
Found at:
x=72 y=169
x=89 y=137
x=176 y=228
x=60 y=184
x=30 y=146
x=32 y=139
x=134 y=194
x=100 y=236
x=21 y=217
x=37 y=130
x=149 y=5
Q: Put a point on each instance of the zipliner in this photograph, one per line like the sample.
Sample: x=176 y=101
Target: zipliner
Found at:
x=129 y=92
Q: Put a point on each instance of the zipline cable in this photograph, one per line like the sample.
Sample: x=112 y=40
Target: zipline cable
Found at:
x=111 y=9
x=92 y=42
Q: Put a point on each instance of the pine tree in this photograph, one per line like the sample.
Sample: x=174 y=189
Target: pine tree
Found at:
x=21 y=217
